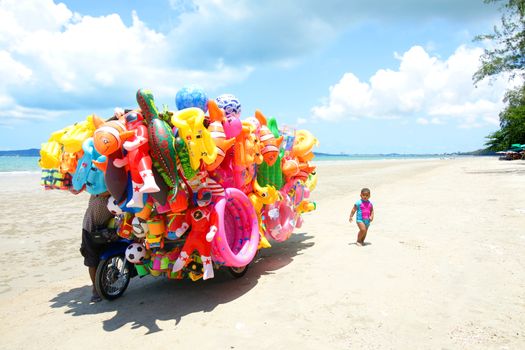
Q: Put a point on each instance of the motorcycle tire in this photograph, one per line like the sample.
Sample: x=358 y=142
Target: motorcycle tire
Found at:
x=238 y=272
x=112 y=277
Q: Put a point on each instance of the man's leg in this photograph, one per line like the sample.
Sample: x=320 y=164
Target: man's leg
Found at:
x=92 y=274
x=91 y=254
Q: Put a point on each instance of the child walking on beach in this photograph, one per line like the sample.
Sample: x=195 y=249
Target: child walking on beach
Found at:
x=365 y=215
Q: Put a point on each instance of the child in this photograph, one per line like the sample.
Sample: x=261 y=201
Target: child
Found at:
x=365 y=215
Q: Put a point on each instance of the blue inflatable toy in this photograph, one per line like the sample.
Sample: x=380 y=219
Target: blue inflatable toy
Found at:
x=86 y=173
x=191 y=96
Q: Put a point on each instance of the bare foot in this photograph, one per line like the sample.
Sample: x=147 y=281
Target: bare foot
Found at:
x=359 y=244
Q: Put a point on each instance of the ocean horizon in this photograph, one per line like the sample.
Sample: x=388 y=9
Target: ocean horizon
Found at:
x=29 y=164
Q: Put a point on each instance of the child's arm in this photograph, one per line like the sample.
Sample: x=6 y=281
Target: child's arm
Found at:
x=354 y=209
x=372 y=214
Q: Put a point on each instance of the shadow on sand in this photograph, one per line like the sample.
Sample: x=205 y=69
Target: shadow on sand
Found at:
x=363 y=245
x=157 y=298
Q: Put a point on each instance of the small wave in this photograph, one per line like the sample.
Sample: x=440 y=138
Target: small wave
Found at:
x=19 y=172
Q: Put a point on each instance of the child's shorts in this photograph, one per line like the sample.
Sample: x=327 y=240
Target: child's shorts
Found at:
x=364 y=221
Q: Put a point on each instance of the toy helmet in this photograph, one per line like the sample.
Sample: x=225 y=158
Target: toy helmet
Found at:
x=203 y=197
x=133 y=116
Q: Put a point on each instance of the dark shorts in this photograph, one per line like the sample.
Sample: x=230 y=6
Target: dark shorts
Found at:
x=90 y=251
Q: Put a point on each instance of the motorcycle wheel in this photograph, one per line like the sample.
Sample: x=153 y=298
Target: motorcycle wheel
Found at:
x=238 y=272
x=112 y=277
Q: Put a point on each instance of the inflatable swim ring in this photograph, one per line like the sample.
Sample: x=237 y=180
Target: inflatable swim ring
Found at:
x=237 y=238
x=279 y=219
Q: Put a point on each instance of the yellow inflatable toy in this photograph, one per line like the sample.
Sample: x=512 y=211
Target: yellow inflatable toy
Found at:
x=51 y=151
x=311 y=182
x=190 y=122
x=77 y=134
x=259 y=197
x=305 y=206
x=303 y=145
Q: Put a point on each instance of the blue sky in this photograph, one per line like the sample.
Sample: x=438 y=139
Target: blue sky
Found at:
x=374 y=76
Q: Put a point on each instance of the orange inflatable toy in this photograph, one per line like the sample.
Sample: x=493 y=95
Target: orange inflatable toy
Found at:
x=294 y=168
x=216 y=130
x=243 y=155
x=270 y=144
x=296 y=163
x=108 y=138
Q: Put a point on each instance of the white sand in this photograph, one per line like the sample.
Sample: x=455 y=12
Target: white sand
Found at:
x=444 y=269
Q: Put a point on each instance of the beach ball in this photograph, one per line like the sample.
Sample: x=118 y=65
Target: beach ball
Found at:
x=191 y=96
x=230 y=105
x=135 y=253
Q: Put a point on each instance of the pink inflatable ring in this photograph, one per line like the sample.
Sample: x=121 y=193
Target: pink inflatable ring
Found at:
x=237 y=238
x=279 y=219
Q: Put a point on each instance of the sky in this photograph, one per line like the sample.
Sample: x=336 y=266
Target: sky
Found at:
x=375 y=76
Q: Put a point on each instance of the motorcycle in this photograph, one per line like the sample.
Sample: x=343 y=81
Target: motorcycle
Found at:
x=114 y=271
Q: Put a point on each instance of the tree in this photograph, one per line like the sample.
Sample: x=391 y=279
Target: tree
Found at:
x=512 y=122
x=507 y=56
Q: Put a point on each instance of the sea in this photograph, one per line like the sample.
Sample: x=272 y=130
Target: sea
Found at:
x=17 y=164
x=20 y=164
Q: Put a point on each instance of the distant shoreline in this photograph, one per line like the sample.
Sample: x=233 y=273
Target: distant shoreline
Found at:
x=31 y=152
x=35 y=152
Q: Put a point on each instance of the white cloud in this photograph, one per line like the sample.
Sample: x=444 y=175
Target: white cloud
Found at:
x=67 y=60
x=17 y=113
x=11 y=71
x=52 y=57
x=424 y=89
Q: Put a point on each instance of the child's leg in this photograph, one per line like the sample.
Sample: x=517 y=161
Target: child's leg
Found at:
x=362 y=232
x=364 y=235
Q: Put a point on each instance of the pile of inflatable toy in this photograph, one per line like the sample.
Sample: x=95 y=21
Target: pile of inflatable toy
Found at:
x=194 y=189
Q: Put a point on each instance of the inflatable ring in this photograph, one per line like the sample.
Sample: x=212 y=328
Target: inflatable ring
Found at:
x=304 y=143
x=237 y=238
x=279 y=219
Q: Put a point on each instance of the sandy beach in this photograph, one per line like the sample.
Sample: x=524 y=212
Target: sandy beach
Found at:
x=444 y=269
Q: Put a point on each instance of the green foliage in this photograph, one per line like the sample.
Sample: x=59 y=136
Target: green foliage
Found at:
x=508 y=43
x=512 y=122
x=506 y=55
